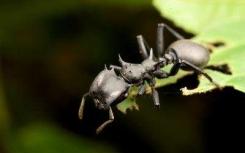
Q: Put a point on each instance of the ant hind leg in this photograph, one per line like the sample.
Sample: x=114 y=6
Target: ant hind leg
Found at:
x=172 y=31
x=110 y=120
x=224 y=68
x=197 y=69
x=81 y=108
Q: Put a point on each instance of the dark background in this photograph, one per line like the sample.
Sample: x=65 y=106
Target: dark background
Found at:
x=50 y=53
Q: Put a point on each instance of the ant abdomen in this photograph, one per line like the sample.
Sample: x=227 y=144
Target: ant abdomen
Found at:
x=191 y=52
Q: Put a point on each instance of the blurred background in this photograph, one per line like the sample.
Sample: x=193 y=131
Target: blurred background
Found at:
x=50 y=52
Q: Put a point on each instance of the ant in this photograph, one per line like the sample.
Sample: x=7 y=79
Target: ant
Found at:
x=111 y=86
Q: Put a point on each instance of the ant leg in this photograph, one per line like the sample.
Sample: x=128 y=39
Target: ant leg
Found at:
x=142 y=46
x=155 y=94
x=111 y=119
x=117 y=68
x=172 y=31
x=197 y=69
x=224 y=68
x=160 y=74
x=177 y=64
x=81 y=108
x=155 y=97
x=160 y=40
x=141 y=90
x=174 y=70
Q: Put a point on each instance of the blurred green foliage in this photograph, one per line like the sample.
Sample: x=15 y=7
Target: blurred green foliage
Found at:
x=39 y=53
x=43 y=137
x=51 y=50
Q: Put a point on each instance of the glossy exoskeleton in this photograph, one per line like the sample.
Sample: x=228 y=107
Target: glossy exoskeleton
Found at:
x=112 y=84
x=107 y=88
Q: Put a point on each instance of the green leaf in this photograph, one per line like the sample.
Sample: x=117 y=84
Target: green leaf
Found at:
x=197 y=15
x=213 y=21
x=230 y=33
x=128 y=104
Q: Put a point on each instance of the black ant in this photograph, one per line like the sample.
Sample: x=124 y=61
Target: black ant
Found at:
x=112 y=84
